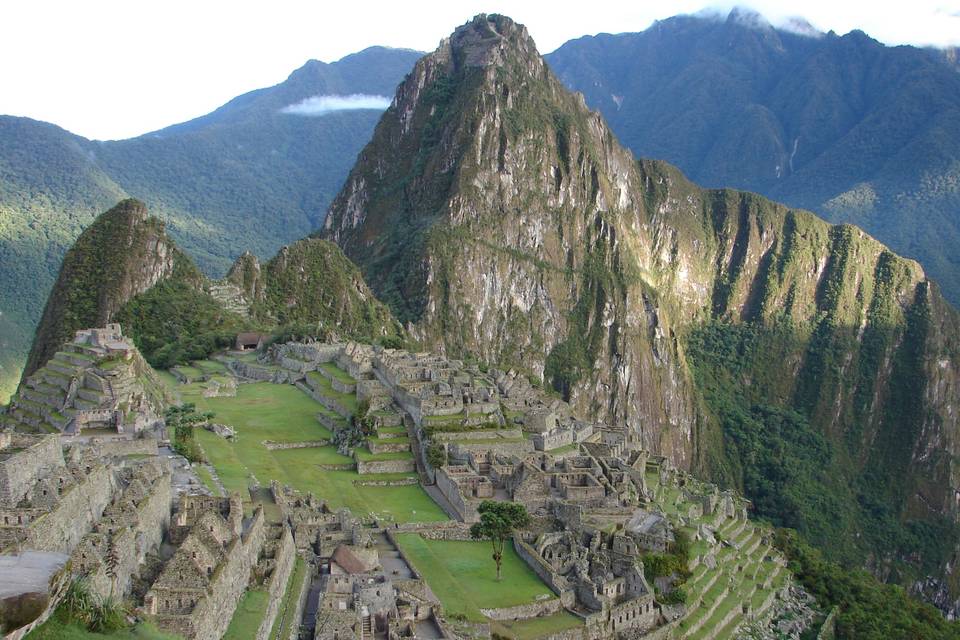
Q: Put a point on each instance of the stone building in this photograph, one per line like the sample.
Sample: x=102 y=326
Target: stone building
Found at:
x=199 y=587
x=132 y=526
x=47 y=502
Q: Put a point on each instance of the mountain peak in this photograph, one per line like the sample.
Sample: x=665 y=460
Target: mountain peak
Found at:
x=483 y=41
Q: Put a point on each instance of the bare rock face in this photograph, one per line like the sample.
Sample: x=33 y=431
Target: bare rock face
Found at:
x=122 y=254
x=498 y=217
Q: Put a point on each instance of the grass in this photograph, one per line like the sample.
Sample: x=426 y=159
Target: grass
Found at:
x=56 y=629
x=248 y=616
x=463 y=576
x=207 y=479
x=364 y=455
x=282 y=413
x=400 y=429
x=285 y=619
x=348 y=400
x=210 y=366
x=338 y=373
x=536 y=627
x=191 y=372
x=559 y=451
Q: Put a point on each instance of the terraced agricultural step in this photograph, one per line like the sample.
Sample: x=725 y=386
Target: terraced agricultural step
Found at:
x=728 y=630
x=63 y=367
x=54 y=378
x=90 y=395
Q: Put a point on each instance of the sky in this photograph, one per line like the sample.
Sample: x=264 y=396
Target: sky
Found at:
x=110 y=69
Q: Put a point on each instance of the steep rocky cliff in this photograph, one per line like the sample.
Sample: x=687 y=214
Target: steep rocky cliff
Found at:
x=124 y=252
x=498 y=217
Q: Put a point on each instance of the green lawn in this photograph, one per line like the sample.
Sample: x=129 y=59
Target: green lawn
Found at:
x=536 y=627
x=248 y=616
x=463 y=576
x=285 y=619
x=191 y=372
x=210 y=366
x=364 y=455
x=55 y=629
x=282 y=413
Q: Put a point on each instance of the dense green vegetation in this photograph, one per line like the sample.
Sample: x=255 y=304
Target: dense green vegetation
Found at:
x=797 y=476
x=182 y=420
x=867 y=608
x=313 y=282
x=807 y=121
x=174 y=323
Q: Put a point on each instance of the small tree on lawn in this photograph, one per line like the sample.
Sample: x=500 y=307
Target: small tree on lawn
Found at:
x=497 y=522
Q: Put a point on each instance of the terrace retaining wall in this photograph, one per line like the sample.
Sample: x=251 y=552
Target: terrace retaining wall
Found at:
x=386 y=466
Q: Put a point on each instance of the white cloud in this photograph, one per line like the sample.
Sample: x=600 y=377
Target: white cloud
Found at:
x=322 y=105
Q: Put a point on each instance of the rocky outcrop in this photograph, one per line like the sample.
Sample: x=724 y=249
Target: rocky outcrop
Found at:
x=501 y=219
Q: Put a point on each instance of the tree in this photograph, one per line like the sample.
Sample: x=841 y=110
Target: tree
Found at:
x=497 y=522
x=182 y=420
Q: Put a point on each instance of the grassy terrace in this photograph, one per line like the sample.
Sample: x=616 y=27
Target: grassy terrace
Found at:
x=57 y=629
x=248 y=616
x=191 y=372
x=282 y=413
x=536 y=627
x=401 y=429
x=463 y=576
x=364 y=455
x=285 y=620
x=210 y=366
x=396 y=440
x=338 y=373
x=348 y=400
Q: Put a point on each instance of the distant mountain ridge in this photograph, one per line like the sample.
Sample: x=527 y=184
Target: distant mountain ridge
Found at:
x=244 y=177
x=840 y=125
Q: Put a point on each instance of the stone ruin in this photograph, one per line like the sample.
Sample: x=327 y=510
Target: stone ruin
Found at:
x=370 y=590
x=98 y=380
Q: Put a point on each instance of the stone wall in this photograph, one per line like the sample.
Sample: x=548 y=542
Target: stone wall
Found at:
x=34 y=458
x=308 y=444
x=115 y=447
x=131 y=545
x=478 y=434
x=451 y=491
x=556 y=582
x=386 y=466
x=525 y=611
x=385 y=446
x=75 y=513
x=286 y=555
